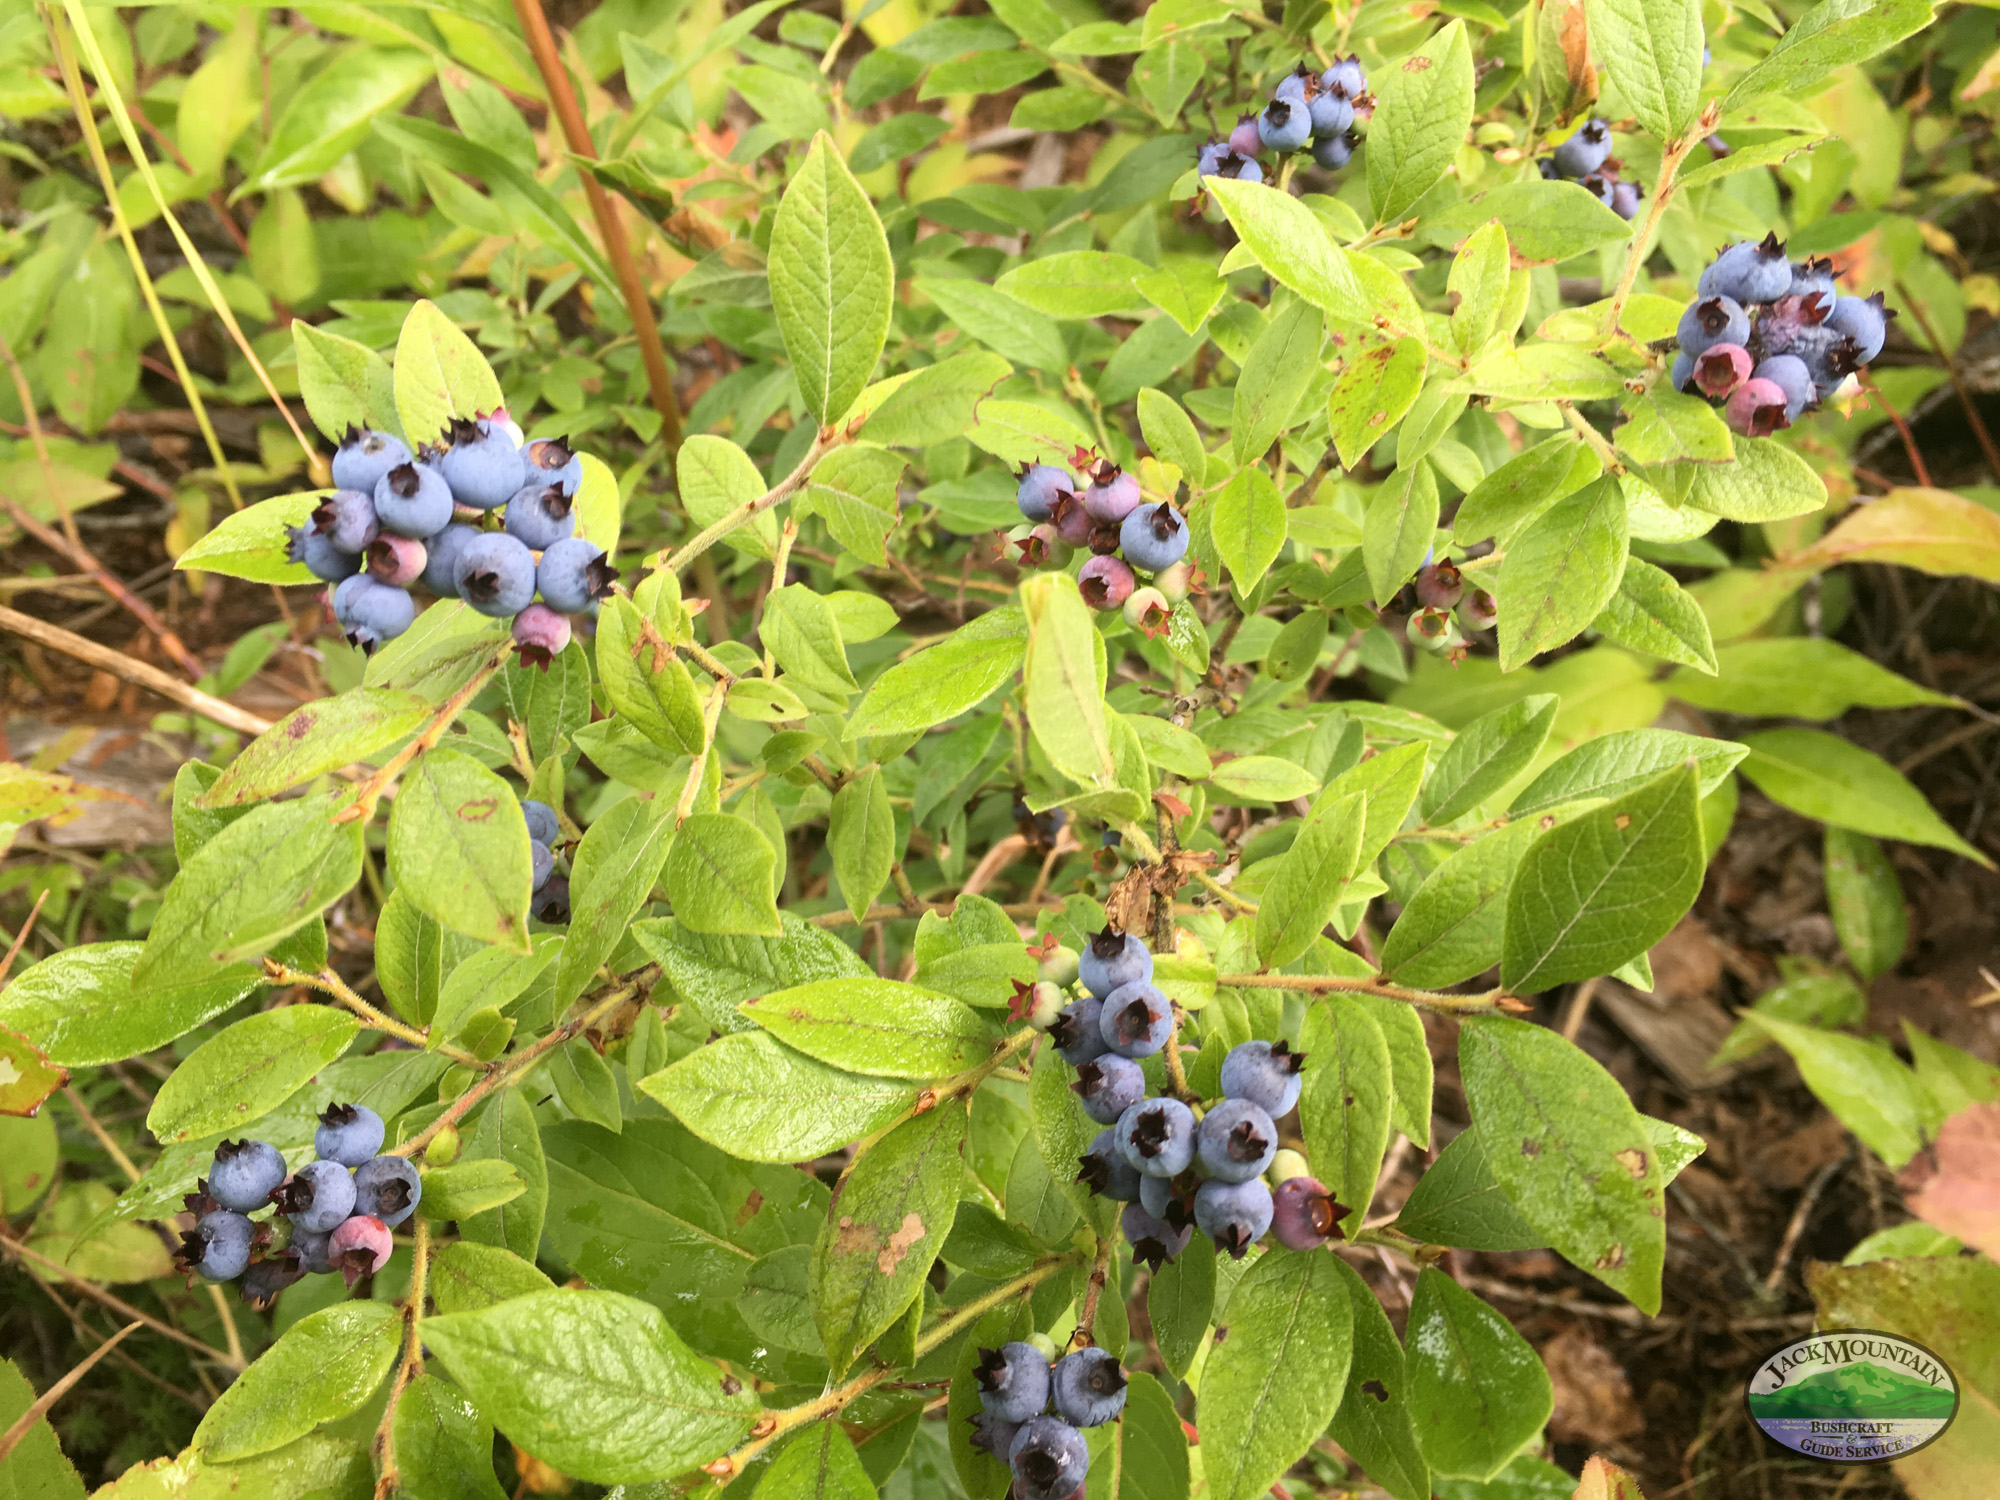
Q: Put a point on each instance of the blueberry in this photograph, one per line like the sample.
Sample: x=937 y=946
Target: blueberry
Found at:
x=542 y=861
x=1439 y=585
x=1478 y=610
x=1757 y=408
x=1136 y=1020
x=340 y=598
x=1106 y=582
x=1722 y=368
x=541 y=635
x=310 y=1247
x=413 y=500
x=540 y=515
x=1087 y=1387
x=217 y=1248
x=1625 y=200
x=359 y=1247
x=574 y=575
x=1584 y=152
x=376 y=612
x=995 y=1437
x=243 y=1174
x=1058 y=965
x=1247 y=170
x=347 y=519
x=1154 y=537
x=1865 y=320
x=1104 y=1170
x=349 y=1134
x=1345 y=77
x=322 y=559
x=1331 y=115
x=1013 y=1382
x=387 y=1188
x=1683 y=371
x=1293 y=86
x=267 y=1277
x=1169 y=1199
x=1208 y=161
x=504 y=423
x=551 y=461
x=1112 y=960
x=543 y=824
x=1076 y=1031
x=483 y=465
x=1814 y=278
x=1156 y=1137
x=441 y=555
x=1748 y=272
x=1233 y=1214
x=551 y=902
x=496 y=575
x=398 y=561
x=1600 y=187
x=1245 y=140
x=1335 y=151
x=1108 y=1086
x=1153 y=1240
x=1237 y=1141
x=1712 y=320
x=364 y=457
x=317 y=1197
x=1789 y=373
x=1039 y=485
x=1049 y=1459
x=1112 y=494
x=1265 y=1073
x=1304 y=1215
x=1285 y=125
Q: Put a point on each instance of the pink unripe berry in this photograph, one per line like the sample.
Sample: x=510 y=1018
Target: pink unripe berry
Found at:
x=1757 y=409
x=1721 y=368
x=1440 y=585
x=1106 y=582
x=1304 y=1215
x=1479 y=610
x=359 y=1247
x=1041 y=546
x=1072 y=522
x=396 y=559
x=541 y=634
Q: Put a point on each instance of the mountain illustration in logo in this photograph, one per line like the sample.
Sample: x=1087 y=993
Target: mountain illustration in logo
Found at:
x=1861 y=1390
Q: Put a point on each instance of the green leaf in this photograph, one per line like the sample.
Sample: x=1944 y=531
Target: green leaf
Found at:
x=1478 y=1392
x=1667 y=425
x=1802 y=677
x=1409 y=1063
x=1569 y=1152
x=1547 y=222
x=1373 y=1422
x=892 y=1212
x=447 y=647
x=1560 y=572
x=1544 y=372
x=1063 y=681
x=247 y=1070
x=1180 y=1303
x=330 y=116
x=832 y=284
x=1264 y=778
x=1456 y=1202
x=1344 y=1106
x=468 y=1187
x=440 y=375
x=717 y=974
x=762 y=1101
x=505 y=1130
x=1452 y=928
x=1652 y=50
x=459 y=846
x=1373 y=392
x=853 y=489
x=343 y=384
x=1009 y=328
x=938 y=402
x=800 y=630
x=80 y=1008
x=323 y=1367
x=36 y=1468
x=1520 y=489
x=1830 y=35
x=1279 y=367
x=593 y=1383
x=1397 y=532
x=611 y=876
x=1247 y=521
x=1389 y=780
x=1479 y=279
x=1171 y=434
x=1077 y=284
x=586 y=1086
x=1599 y=891
x=267 y=874
x=314 y=739
x=1144 y=1454
x=1293 y=247
x=861 y=838
x=1269 y=1390
x=1654 y=614
x=1864 y=1084
x=444 y=1447
x=251 y=543
x=1185 y=288
x=1614 y=764
x=818 y=1464
x=1063 y=1133
x=895 y=138
x=1841 y=784
x=1423 y=109
x=876 y=1026
x=1311 y=880
x=717 y=479
x=1863 y=896
x=1767 y=482
x=551 y=703
x=1486 y=755
x=719 y=876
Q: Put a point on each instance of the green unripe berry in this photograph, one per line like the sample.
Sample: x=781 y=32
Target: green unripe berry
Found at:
x=1058 y=967
x=1287 y=1165
x=443 y=1148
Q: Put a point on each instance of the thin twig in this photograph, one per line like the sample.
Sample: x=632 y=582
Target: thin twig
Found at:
x=120 y=665
x=749 y=510
x=1800 y=1216
x=408 y=1367
x=1579 y=1007
x=1320 y=983
x=119 y=1305
x=11 y=1438
x=103 y=1136
x=21 y=937
x=1979 y=430
x=1917 y=466
x=327 y=982
x=362 y=807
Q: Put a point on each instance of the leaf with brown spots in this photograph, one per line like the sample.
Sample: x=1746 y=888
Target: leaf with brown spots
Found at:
x=459 y=845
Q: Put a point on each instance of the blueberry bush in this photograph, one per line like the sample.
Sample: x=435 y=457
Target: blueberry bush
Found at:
x=947 y=652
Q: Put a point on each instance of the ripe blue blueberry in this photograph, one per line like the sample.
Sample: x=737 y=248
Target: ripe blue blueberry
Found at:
x=574 y=575
x=347 y=519
x=1208 y=160
x=310 y=1247
x=1233 y=1214
x=1334 y=151
x=376 y=612
x=1292 y=86
x=364 y=457
x=1156 y=1137
x=1153 y=1240
x=1600 y=187
x=1285 y=125
x=1106 y=582
x=543 y=825
x=542 y=863
x=1154 y=537
x=1013 y=1382
x=1331 y=115
x=243 y=1174
x=441 y=554
x=317 y=1197
x=1247 y=169
x=1863 y=319
x=413 y=500
x=1136 y=1020
x=1712 y=320
x=264 y=1279
x=540 y=515
x=496 y=575
x=1789 y=373
x=1814 y=278
x=1304 y=1215
x=1584 y=152
x=483 y=465
x=322 y=559
x=1087 y=1387
x=387 y=1188
x=1108 y=1086
x=1105 y=1171
x=1265 y=1073
x=1683 y=371
x=1112 y=960
x=1039 y=486
x=1169 y=1199
x=1049 y=1459
x=1237 y=1141
x=218 y=1247
x=1346 y=77
x=1625 y=199
x=1748 y=272
x=359 y=1247
x=995 y=1437
x=1077 y=1033
x=552 y=461
x=551 y=903
x=349 y=1134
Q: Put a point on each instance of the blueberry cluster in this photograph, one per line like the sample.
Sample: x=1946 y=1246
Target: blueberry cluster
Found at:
x=340 y=1208
x=397 y=518
x=1308 y=109
x=1803 y=340
x=550 y=901
x=1440 y=587
x=1017 y=1385
x=1586 y=158
x=1105 y=512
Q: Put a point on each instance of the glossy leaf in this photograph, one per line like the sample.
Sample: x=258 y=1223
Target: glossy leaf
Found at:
x=1478 y=1392
x=876 y=1026
x=323 y=1367
x=1486 y=755
x=244 y=1072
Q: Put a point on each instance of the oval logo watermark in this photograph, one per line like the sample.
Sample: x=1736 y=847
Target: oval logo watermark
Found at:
x=1853 y=1396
